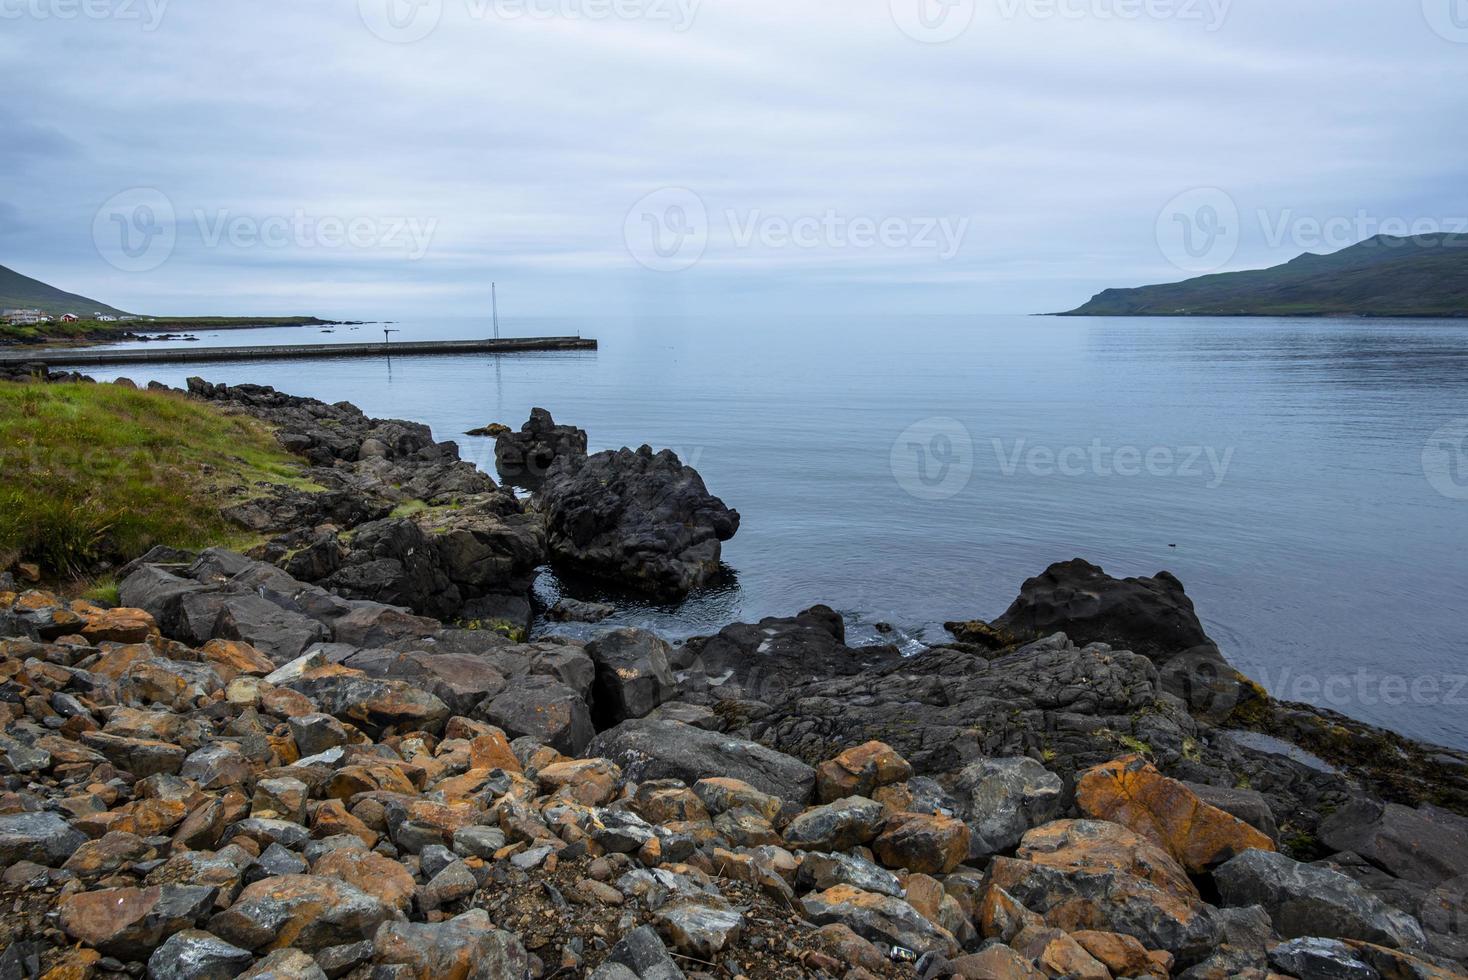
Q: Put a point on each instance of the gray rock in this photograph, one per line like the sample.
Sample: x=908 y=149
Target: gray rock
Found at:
x=443 y=949
x=285 y=964
x=648 y=749
x=1305 y=900
x=642 y=955
x=821 y=871
x=276 y=860
x=1320 y=959
x=44 y=838
x=1000 y=799
x=837 y=826
x=435 y=857
x=453 y=883
x=480 y=842
x=700 y=927
x=217 y=765
x=337 y=961
x=545 y=709
x=632 y=674
x=576 y=611
x=197 y=955
x=1427 y=845
x=879 y=919
x=315 y=733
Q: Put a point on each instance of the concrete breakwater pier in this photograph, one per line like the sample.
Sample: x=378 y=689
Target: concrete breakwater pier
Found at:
x=82 y=357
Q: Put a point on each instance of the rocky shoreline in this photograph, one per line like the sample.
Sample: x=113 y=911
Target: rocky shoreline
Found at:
x=341 y=756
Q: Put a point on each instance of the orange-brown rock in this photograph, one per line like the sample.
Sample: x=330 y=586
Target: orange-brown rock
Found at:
x=78 y=963
x=720 y=793
x=1056 y=954
x=923 y=843
x=851 y=949
x=1001 y=917
x=371 y=872
x=130 y=922
x=1097 y=847
x=1123 y=955
x=331 y=818
x=665 y=803
x=995 y=963
x=1130 y=791
x=116 y=625
x=859 y=771
x=590 y=782
x=237 y=656
x=491 y=750
x=310 y=912
x=348 y=781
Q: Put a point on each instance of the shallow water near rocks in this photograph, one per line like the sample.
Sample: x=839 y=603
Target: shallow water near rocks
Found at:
x=1306 y=479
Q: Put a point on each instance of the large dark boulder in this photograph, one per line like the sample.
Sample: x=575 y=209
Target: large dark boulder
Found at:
x=1427 y=845
x=1306 y=900
x=632 y=674
x=640 y=520
x=525 y=457
x=761 y=661
x=1151 y=616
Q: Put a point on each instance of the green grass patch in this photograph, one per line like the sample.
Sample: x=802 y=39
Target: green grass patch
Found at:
x=101 y=473
x=409 y=509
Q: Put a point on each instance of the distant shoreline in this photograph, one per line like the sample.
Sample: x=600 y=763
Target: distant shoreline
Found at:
x=86 y=333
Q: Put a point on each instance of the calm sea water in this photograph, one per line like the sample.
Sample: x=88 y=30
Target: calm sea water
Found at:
x=911 y=470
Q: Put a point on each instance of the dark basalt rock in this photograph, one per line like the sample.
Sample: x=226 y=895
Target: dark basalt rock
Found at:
x=1150 y=616
x=525 y=457
x=761 y=661
x=639 y=520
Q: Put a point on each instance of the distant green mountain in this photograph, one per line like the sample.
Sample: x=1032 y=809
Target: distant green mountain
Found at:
x=23 y=292
x=1426 y=276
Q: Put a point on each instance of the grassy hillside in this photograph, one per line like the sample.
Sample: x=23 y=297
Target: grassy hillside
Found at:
x=23 y=292
x=100 y=473
x=1424 y=276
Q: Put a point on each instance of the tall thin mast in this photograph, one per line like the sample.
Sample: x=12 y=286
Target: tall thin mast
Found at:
x=494 y=302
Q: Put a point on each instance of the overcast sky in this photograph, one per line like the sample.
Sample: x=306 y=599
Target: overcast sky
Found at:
x=382 y=157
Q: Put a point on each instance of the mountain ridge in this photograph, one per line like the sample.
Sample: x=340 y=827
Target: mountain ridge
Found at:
x=1383 y=276
x=18 y=291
